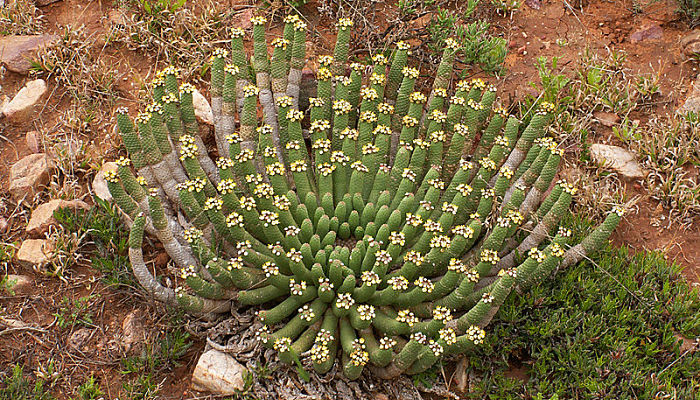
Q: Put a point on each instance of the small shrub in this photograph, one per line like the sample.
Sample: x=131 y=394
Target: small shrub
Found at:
x=608 y=328
x=90 y=390
x=103 y=229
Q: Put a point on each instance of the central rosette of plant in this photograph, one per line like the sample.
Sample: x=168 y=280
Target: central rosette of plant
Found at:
x=387 y=231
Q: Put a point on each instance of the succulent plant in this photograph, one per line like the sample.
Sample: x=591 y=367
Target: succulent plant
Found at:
x=387 y=234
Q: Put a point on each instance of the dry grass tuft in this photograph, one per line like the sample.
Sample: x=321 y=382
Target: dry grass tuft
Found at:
x=20 y=17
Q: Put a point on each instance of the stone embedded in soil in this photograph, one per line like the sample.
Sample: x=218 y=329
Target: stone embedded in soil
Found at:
x=421 y=22
x=16 y=52
x=21 y=106
x=35 y=252
x=686 y=344
x=29 y=175
x=202 y=109
x=647 y=33
x=42 y=3
x=242 y=19
x=618 y=159
x=99 y=184
x=691 y=104
x=606 y=118
x=78 y=339
x=460 y=376
x=18 y=283
x=42 y=216
x=690 y=44
x=218 y=373
x=534 y=4
x=133 y=331
x=116 y=17
x=34 y=141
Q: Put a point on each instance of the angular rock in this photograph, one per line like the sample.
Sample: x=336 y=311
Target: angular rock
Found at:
x=202 y=109
x=42 y=216
x=460 y=376
x=133 y=331
x=18 y=283
x=29 y=175
x=78 y=339
x=16 y=52
x=34 y=141
x=686 y=344
x=218 y=373
x=647 y=33
x=21 y=106
x=99 y=184
x=690 y=44
x=618 y=159
x=35 y=252
x=691 y=104
x=13 y=323
x=606 y=118
x=242 y=19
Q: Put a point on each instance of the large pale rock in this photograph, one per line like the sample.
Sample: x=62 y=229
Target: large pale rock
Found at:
x=35 y=252
x=618 y=159
x=42 y=216
x=22 y=105
x=29 y=175
x=16 y=52
x=202 y=109
x=99 y=184
x=218 y=373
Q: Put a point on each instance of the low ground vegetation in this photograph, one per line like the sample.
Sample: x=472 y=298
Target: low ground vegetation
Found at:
x=620 y=325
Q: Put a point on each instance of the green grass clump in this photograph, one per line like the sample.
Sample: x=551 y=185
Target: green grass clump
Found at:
x=690 y=9
x=604 y=329
x=16 y=386
x=105 y=236
x=158 y=355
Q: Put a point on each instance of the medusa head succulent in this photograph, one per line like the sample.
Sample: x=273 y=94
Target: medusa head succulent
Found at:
x=385 y=232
